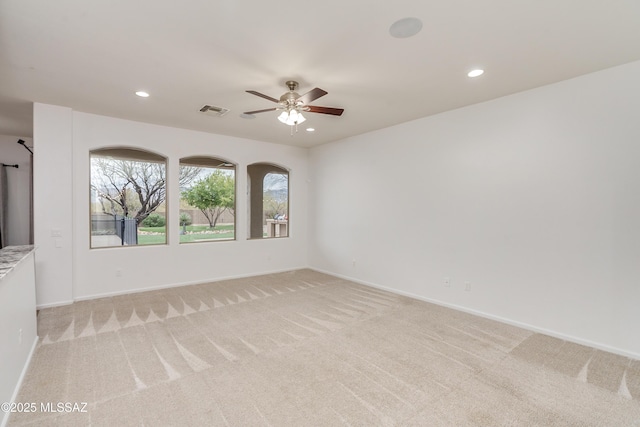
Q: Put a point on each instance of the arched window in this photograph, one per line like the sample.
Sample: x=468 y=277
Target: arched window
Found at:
x=128 y=197
x=268 y=201
x=207 y=199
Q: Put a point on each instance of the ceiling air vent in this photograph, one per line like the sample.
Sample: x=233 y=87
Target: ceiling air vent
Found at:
x=212 y=110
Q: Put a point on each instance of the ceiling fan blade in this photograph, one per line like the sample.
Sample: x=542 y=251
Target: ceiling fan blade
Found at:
x=262 y=95
x=260 y=111
x=326 y=110
x=312 y=95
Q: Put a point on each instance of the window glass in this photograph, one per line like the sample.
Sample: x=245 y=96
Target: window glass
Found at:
x=268 y=200
x=207 y=199
x=128 y=198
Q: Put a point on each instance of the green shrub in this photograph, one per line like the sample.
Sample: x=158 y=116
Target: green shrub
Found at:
x=185 y=219
x=154 y=220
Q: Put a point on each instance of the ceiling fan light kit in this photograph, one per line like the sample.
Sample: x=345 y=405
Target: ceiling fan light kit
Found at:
x=292 y=105
x=291 y=117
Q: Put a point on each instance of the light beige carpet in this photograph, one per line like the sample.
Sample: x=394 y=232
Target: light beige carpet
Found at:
x=308 y=349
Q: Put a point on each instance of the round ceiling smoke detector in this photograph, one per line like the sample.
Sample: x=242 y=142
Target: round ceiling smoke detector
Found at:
x=405 y=27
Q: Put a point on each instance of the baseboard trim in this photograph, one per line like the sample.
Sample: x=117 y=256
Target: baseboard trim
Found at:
x=16 y=390
x=53 y=304
x=529 y=327
x=175 y=285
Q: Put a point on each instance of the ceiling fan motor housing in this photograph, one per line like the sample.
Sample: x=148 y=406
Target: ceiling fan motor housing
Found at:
x=290 y=97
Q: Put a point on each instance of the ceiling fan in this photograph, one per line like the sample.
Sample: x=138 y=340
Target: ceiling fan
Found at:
x=293 y=105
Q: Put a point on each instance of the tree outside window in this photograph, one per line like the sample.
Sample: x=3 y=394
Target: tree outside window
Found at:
x=207 y=204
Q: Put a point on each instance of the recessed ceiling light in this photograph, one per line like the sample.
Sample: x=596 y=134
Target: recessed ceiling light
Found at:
x=247 y=116
x=310 y=130
x=405 y=27
x=475 y=73
x=142 y=94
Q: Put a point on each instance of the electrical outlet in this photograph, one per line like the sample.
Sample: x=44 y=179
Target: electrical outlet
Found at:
x=118 y=273
x=447 y=282
x=467 y=286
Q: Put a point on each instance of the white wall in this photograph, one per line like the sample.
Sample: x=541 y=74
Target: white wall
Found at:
x=145 y=267
x=53 y=224
x=533 y=198
x=11 y=153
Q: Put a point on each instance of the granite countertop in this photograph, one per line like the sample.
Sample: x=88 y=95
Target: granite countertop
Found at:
x=10 y=256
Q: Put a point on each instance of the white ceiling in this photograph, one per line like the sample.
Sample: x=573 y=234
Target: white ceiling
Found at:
x=93 y=55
